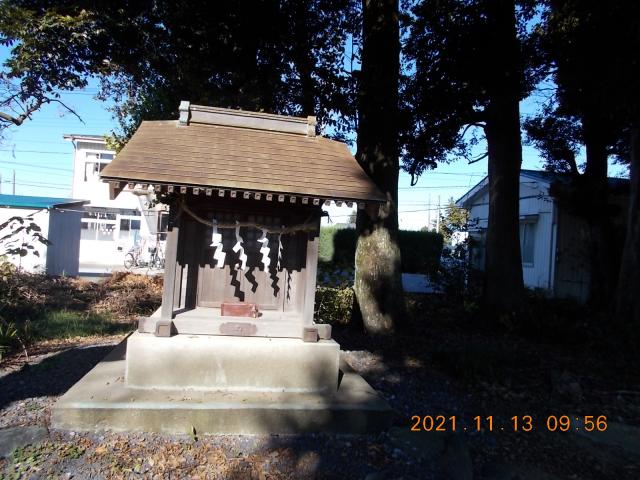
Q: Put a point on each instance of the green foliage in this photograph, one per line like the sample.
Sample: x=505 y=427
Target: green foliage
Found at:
x=589 y=52
x=24 y=462
x=27 y=461
x=8 y=336
x=455 y=219
x=332 y=275
x=333 y=305
x=337 y=245
x=452 y=46
x=280 y=57
x=420 y=251
x=42 y=307
x=69 y=324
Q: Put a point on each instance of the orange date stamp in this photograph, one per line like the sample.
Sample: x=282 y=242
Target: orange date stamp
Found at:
x=517 y=423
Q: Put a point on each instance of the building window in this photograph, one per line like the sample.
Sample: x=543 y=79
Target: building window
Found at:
x=527 y=242
x=129 y=229
x=102 y=230
x=94 y=164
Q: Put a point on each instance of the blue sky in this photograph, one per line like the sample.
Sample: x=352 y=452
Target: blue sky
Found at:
x=43 y=160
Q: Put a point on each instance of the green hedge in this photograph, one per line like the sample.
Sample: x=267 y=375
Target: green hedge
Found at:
x=420 y=250
x=333 y=305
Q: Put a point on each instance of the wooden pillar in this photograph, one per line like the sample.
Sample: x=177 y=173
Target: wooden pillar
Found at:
x=170 y=265
x=194 y=234
x=311 y=271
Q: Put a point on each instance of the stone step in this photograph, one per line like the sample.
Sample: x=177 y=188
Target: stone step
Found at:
x=102 y=401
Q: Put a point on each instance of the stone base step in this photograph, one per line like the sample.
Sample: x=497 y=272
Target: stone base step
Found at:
x=102 y=401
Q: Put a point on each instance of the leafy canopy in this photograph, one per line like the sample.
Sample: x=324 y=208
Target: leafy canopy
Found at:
x=283 y=57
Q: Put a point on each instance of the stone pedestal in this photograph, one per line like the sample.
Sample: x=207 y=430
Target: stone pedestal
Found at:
x=102 y=400
x=219 y=363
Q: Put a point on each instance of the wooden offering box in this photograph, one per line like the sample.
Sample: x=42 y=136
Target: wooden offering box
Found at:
x=239 y=309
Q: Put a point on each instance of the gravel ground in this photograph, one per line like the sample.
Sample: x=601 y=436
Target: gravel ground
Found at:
x=409 y=373
x=27 y=394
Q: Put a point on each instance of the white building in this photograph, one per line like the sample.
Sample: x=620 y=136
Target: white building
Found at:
x=554 y=242
x=59 y=222
x=109 y=227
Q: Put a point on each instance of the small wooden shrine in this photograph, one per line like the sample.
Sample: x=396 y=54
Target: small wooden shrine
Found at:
x=234 y=347
x=245 y=192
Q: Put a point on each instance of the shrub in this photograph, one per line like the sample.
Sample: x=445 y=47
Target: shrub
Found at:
x=333 y=305
x=8 y=337
x=37 y=306
x=420 y=250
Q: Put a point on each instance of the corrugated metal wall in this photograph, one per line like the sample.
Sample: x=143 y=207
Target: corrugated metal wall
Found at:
x=64 y=234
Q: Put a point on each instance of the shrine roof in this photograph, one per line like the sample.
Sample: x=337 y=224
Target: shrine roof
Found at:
x=236 y=150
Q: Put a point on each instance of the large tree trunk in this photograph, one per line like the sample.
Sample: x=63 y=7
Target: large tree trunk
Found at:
x=595 y=206
x=628 y=299
x=378 y=276
x=603 y=267
x=503 y=287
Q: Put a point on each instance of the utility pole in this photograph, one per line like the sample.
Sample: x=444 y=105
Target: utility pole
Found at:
x=14 y=182
x=429 y=214
x=438 y=217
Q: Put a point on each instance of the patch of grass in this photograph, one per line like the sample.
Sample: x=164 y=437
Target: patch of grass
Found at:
x=63 y=324
x=24 y=460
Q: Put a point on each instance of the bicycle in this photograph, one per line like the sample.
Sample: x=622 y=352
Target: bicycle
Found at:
x=133 y=258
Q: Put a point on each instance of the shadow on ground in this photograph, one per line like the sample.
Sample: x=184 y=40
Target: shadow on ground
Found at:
x=53 y=376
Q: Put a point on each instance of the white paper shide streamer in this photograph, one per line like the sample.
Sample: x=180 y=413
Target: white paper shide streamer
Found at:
x=265 y=250
x=216 y=241
x=238 y=248
x=279 y=265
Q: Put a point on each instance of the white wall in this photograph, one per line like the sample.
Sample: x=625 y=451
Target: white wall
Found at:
x=93 y=189
x=31 y=262
x=106 y=253
x=536 y=207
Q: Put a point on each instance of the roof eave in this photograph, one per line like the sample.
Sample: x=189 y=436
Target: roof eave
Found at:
x=376 y=197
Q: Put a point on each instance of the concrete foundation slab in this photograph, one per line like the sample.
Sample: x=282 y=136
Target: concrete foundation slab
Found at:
x=213 y=362
x=101 y=400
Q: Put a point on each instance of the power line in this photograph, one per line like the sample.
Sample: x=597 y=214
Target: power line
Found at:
x=435 y=186
x=36 y=166
x=40 y=173
x=467 y=174
x=39 y=184
x=48 y=152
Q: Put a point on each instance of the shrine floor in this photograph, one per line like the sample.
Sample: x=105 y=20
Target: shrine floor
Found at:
x=102 y=401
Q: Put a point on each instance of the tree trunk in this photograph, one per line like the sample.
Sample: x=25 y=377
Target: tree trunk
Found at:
x=378 y=275
x=603 y=267
x=503 y=287
x=628 y=299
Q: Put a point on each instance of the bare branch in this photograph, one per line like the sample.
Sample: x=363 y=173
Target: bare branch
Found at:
x=478 y=158
x=473 y=124
x=33 y=107
x=19 y=119
x=68 y=108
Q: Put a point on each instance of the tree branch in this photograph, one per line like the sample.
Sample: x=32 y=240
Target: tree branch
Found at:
x=472 y=124
x=68 y=108
x=28 y=111
x=19 y=119
x=478 y=158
